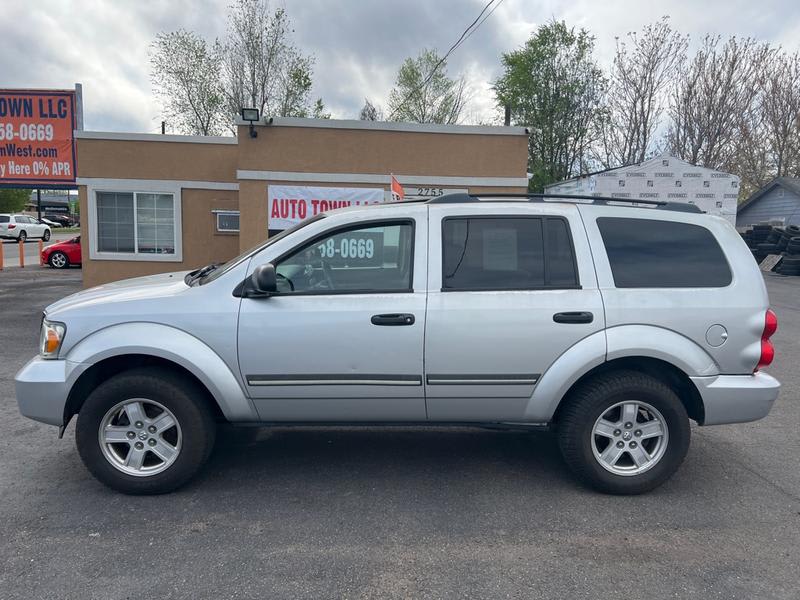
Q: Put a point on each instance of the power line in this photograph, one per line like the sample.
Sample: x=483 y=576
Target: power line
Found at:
x=466 y=33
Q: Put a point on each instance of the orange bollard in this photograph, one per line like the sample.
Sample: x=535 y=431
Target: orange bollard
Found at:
x=1 y=255
x=41 y=249
x=21 y=254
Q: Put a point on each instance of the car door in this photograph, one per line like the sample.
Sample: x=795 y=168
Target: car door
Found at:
x=509 y=291
x=342 y=340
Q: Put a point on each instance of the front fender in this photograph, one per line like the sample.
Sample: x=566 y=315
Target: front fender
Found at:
x=171 y=344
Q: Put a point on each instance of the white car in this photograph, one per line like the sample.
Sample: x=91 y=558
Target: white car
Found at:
x=22 y=227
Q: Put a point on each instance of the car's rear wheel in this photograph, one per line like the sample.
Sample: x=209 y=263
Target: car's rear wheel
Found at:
x=145 y=431
x=46 y=235
x=58 y=260
x=23 y=237
x=624 y=432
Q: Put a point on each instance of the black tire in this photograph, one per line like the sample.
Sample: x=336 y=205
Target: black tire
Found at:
x=595 y=397
x=23 y=237
x=767 y=247
x=186 y=401
x=58 y=260
x=46 y=235
x=791 y=261
x=762 y=227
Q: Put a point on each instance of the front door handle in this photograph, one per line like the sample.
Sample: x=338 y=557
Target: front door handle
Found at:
x=573 y=317
x=394 y=319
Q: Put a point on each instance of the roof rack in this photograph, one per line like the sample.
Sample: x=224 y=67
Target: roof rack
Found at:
x=660 y=204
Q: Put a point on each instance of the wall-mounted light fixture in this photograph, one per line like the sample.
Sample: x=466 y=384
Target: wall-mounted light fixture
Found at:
x=251 y=115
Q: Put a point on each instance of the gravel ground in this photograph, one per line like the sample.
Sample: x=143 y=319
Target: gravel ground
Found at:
x=324 y=513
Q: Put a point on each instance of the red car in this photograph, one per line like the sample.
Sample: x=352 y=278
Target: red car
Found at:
x=63 y=254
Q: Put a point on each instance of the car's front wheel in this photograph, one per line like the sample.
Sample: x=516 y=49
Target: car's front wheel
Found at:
x=624 y=432
x=58 y=260
x=46 y=235
x=145 y=431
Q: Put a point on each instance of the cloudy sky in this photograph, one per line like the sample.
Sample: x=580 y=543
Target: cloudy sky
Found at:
x=358 y=44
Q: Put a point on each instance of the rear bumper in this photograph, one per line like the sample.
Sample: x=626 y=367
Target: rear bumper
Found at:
x=736 y=398
x=42 y=388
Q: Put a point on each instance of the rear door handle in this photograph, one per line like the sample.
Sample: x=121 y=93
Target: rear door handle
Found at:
x=573 y=317
x=394 y=319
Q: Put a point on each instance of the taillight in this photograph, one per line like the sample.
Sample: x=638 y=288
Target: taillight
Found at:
x=767 y=349
x=11 y=225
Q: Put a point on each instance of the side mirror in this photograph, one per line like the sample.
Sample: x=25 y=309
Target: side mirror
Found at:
x=263 y=280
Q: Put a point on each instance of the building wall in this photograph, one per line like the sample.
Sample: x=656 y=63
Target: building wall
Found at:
x=202 y=244
x=329 y=150
x=140 y=159
x=778 y=204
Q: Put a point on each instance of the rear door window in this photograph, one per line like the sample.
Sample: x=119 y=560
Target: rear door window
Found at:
x=506 y=253
x=646 y=253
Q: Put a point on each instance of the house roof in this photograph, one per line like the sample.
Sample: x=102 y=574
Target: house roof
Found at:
x=790 y=183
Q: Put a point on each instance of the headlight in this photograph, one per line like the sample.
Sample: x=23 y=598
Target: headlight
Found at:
x=51 y=338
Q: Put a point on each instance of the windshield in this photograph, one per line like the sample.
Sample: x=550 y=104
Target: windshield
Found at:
x=222 y=269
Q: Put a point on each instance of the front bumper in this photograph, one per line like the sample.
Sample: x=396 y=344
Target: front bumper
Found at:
x=737 y=398
x=43 y=387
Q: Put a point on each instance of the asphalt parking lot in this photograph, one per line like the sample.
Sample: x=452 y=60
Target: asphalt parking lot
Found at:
x=323 y=513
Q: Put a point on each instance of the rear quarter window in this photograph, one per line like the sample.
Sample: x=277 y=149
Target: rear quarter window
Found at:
x=646 y=253
x=4 y=219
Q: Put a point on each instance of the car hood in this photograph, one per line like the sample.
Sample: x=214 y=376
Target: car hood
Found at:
x=138 y=288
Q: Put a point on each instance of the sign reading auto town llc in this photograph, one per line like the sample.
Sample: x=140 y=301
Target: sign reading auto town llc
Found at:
x=36 y=140
x=290 y=204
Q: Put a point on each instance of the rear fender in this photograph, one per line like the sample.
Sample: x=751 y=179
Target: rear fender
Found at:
x=626 y=341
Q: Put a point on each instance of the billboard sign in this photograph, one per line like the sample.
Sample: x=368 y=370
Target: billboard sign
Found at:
x=291 y=204
x=37 y=148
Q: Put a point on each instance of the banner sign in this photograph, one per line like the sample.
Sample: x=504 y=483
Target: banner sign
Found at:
x=290 y=204
x=36 y=141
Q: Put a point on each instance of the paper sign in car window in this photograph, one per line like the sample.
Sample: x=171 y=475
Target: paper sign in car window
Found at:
x=500 y=249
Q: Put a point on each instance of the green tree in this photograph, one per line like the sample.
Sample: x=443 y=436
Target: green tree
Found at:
x=203 y=85
x=185 y=72
x=555 y=89
x=424 y=93
x=13 y=200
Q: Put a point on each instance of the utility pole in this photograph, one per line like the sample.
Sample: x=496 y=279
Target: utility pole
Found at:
x=163 y=127
x=38 y=204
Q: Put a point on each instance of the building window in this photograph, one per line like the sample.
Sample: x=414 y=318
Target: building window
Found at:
x=227 y=221
x=136 y=225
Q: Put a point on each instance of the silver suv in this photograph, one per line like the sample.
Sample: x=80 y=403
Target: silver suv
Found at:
x=614 y=324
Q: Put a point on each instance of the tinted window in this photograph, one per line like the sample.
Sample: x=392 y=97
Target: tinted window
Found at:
x=4 y=219
x=645 y=253
x=496 y=253
x=560 y=257
x=368 y=259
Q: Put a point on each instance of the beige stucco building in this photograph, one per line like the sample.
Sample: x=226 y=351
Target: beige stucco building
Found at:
x=156 y=203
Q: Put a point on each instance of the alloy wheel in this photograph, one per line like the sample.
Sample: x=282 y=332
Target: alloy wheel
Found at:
x=140 y=437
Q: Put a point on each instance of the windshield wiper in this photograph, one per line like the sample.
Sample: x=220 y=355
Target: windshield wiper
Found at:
x=193 y=276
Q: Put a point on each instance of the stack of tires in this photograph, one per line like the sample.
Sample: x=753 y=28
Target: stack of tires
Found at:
x=764 y=240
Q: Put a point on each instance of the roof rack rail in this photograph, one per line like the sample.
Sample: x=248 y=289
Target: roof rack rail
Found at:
x=660 y=204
